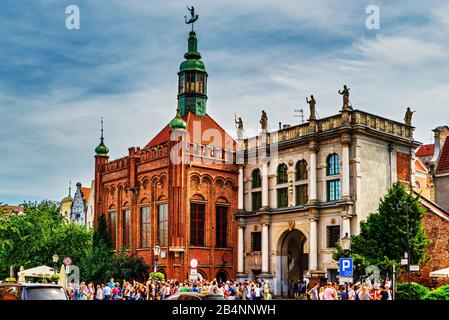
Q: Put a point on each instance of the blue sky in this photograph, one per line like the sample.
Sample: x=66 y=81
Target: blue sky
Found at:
x=122 y=64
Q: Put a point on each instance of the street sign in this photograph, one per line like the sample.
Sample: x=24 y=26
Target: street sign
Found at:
x=344 y=280
x=194 y=271
x=346 y=267
x=193 y=277
x=414 y=268
x=404 y=262
x=67 y=269
x=67 y=261
x=193 y=263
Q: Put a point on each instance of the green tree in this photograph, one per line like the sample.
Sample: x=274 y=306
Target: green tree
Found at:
x=383 y=236
x=31 y=239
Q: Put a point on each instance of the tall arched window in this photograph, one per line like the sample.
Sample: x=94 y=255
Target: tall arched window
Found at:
x=162 y=224
x=333 y=169
x=256 y=196
x=282 y=193
x=126 y=227
x=256 y=180
x=221 y=226
x=145 y=227
x=112 y=227
x=197 y=219
x=282 y=175
x=301 y=170
x=333 y=164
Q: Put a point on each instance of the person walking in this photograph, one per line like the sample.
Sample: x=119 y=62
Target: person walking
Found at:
x=99 y=293
x=107 y=291
x=314 y=293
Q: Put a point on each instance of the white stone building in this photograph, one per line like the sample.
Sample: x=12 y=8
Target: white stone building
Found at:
x=302 y=188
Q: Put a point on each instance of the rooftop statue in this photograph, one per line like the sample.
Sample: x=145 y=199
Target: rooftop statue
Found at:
x=345 y=94
x=264 y=120
x=408 y=116
x=239 y=124
x=312 y=106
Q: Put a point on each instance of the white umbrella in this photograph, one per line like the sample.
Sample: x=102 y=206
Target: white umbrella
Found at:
x=38 y=272
x=443 y=273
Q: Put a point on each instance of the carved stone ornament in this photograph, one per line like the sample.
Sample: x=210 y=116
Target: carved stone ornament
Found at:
x=290 y=225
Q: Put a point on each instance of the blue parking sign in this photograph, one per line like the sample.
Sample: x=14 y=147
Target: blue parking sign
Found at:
x=345 y=267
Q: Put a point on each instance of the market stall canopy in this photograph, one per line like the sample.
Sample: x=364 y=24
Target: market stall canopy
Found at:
x=38 y=272
x=443 y=273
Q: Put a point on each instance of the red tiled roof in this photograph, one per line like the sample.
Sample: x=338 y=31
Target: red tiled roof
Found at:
x=443 y=162
x=425 y=150
x=196 y=126
x=86 y=193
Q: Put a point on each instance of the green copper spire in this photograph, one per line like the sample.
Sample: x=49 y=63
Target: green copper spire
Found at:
x=102 y=150
x=192 y=93
x=178 y=122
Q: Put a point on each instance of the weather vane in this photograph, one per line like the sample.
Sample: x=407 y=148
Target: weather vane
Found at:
x=193 y=16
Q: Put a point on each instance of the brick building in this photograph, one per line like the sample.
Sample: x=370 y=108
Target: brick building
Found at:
x=179 y=191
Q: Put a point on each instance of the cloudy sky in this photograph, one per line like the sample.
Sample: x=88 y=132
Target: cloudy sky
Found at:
x=56 y=84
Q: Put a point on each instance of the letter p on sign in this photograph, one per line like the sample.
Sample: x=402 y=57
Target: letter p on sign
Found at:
x=345 y=265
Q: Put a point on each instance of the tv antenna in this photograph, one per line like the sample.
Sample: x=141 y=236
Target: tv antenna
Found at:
x=300 y=115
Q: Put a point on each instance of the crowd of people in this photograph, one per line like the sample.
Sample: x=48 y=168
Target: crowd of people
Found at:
x=161 y=290
x=230 y=290
x=332 y=291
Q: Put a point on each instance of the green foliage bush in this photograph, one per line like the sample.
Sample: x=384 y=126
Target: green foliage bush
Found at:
x=54 y=277
x=441 y=293
x=157 y=276
x=418 y=291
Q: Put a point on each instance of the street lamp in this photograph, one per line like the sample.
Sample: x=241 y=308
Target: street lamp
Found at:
x=345 y=242
x=156 y=251
x=55 y=261
x=408 y=248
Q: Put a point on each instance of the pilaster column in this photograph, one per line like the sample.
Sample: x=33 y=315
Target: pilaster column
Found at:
x=265 y=185
x=313 y=196
x=265 y=249
x=346 y=141
x=346 y=225
x=241 y=190
x=313 y=254
x=240 y=250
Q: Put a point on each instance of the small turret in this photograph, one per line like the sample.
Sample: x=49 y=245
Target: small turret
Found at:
x=101 y=150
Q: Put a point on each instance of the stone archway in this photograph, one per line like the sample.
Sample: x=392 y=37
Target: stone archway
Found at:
x=221 y=276
x=292 y=260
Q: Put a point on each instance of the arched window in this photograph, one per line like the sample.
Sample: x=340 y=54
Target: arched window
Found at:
x=197 y=223
x=221 y=226
x=145 y=227
x=162 y=227
x=333 y=165
x=282 y=193
x=126 y=227
x=256 y=180
x=301 y=170
x=282 y=176
x=256 y=196
x=112 y=227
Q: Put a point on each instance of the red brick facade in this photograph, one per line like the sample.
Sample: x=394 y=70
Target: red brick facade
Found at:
x=436 y=226
x=403 y=167
x=147 y=178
